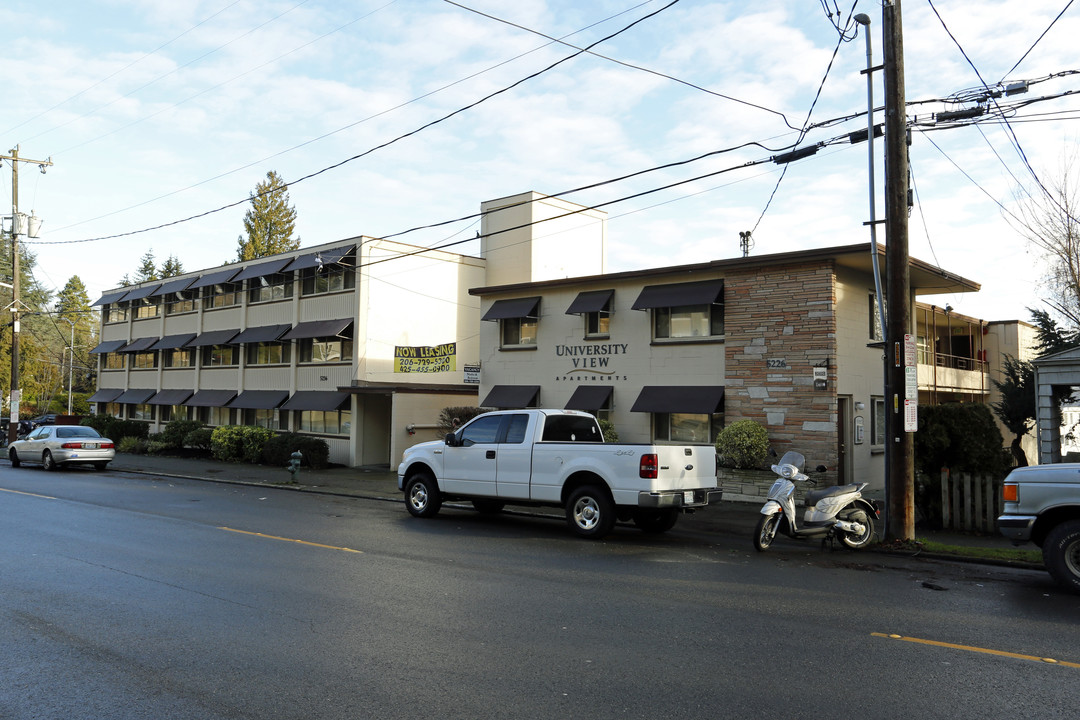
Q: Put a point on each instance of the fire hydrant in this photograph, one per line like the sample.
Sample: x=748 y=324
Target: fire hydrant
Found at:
x=294 y=464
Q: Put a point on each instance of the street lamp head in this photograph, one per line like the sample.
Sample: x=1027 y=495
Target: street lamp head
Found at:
x=862 y=19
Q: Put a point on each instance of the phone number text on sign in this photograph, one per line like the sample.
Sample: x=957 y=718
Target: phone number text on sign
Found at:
x=424 y=359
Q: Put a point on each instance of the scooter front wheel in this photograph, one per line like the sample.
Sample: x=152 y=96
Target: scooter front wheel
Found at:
x=765 y=531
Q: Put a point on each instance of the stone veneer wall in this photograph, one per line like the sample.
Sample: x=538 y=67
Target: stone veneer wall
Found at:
x=783 y=313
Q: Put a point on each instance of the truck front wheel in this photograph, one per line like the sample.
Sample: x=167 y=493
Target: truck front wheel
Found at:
x=422 y=496
x=1061 y=553
x=590 y=513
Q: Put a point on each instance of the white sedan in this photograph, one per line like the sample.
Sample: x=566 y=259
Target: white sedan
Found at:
x=55 y=445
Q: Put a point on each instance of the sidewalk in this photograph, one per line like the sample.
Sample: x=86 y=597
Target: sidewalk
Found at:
x=727 y=518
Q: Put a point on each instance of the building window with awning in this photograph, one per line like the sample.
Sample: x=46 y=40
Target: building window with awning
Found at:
x=324 y=422
x=178 y=358
x=180 y=302
x=114 y=361
x=685 y=311
x=332 y=272
x=686 y=414
x=116 y=313
x=220 y=356
x=144 y=360
x=268 y=353
x=146 y=307
x=220 y=295
x=325 y=350
x=595 y=307
x=687 y=427
x=268 y=288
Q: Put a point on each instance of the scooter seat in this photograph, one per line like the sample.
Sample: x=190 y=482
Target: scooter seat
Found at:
x=815 y=496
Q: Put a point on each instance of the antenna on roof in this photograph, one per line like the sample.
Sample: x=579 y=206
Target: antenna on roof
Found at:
x=746 y=242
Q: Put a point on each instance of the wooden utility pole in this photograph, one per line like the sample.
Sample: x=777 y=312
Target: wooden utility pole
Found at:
x=18 y=226
x=902 y=399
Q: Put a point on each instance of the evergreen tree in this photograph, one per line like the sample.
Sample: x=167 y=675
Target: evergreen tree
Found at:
x=1016 y=408
x=170 y=268
x=147 y=269
x=270 y=221
x=73 y=307
x=38 y=374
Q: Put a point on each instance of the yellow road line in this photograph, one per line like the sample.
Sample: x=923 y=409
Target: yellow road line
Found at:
x=292 y=540
x=970 y=648
x=20 y=492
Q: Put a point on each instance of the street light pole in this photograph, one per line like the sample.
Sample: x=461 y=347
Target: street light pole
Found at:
x=71 y=360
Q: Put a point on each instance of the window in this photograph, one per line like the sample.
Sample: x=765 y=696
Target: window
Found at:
x=180 y=302
x=482 y=430
x=216 y=415
x=221 y=295
x=687 y=427
x=326 y=422
x=143 y=360
x=114 y=361
x=598 y=324
x=220 y=355
x=325 y=350
x=268 y=418
x=116 y=313
x=178 y=357
x=688 y=321
x=327 y=279
x=141 y=412
x=278 y=286
x=269 y=353
x=571 y=428
x=146 y=308
x=877 y=421
x=875 y=319
x=175 y=412
x=113 y=409
x=518 y=332
x=515 y=433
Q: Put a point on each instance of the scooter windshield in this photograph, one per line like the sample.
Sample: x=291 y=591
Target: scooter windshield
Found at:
x=793 y=458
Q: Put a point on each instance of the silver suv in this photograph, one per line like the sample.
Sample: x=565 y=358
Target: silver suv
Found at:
x=1042 y=505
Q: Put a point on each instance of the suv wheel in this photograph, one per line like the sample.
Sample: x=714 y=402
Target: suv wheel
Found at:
x=1061 y=553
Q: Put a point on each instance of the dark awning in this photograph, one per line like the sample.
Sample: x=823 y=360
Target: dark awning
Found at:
x=262 y=269
x=134 y=396
x=511 y=396
x=210 y=398
x=317 y=328
x=514 y=308
x=214 y=279
x=264 y=333
x=214 y=337
x=259 y=399
x=139 y=345
x=142 y=292
x=171 y=397
x=105 y=395
x=109 y=298
x=316 y=400
x=327 y=257
x=109 y=346
x=589 y=398
x=171 y=342
x=175 y=286
x=697 y=399
x=591 y=301
x=704 y=292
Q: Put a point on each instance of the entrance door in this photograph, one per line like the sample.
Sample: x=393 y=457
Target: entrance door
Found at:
x=843 y=439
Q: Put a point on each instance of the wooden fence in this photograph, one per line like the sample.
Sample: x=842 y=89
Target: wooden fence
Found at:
x=970 y=502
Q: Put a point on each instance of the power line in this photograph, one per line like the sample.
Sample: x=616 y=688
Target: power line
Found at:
x=409 y=134
x=561 y=41
x=1038 y=39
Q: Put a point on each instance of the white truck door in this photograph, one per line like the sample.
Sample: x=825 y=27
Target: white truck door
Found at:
x=514 y=462
x=470 y=467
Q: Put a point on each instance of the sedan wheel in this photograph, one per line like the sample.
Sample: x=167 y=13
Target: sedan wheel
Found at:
x=14 y=458
x=47 y=461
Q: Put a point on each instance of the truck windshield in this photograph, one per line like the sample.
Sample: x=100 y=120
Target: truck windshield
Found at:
x=571 y=428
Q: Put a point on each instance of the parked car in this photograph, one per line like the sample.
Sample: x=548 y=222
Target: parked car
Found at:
x=46 y=419
x=1042 y=505
x=56 y=445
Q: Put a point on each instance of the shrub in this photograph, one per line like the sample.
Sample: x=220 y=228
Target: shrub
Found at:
x=611 y=435
x=131 y=445
x=199 y=439
x=280 y=448
x=227 y=443
x=175 y=433
x=115 y=429
x=156 y=447
x=743 y=444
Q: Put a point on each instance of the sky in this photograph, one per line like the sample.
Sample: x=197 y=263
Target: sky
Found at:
x=389 y=115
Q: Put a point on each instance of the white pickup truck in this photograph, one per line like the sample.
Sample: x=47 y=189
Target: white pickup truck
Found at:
x=558 y=458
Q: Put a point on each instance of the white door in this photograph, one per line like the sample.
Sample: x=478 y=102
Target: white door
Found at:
x=470 y=467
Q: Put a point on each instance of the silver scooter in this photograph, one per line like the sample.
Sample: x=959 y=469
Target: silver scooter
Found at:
x=838 y=512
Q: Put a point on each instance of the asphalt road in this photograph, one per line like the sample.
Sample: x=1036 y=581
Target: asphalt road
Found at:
x=129 y=597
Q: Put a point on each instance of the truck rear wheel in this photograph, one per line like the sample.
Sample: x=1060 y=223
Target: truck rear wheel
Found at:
x=422 y=496
x=590 y=513
x=655 y=521
x=1061 y=553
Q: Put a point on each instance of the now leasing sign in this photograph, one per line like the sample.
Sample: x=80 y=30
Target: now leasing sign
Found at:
x=425 y=359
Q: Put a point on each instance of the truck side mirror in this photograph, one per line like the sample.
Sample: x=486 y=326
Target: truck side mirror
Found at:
x=451 y=439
